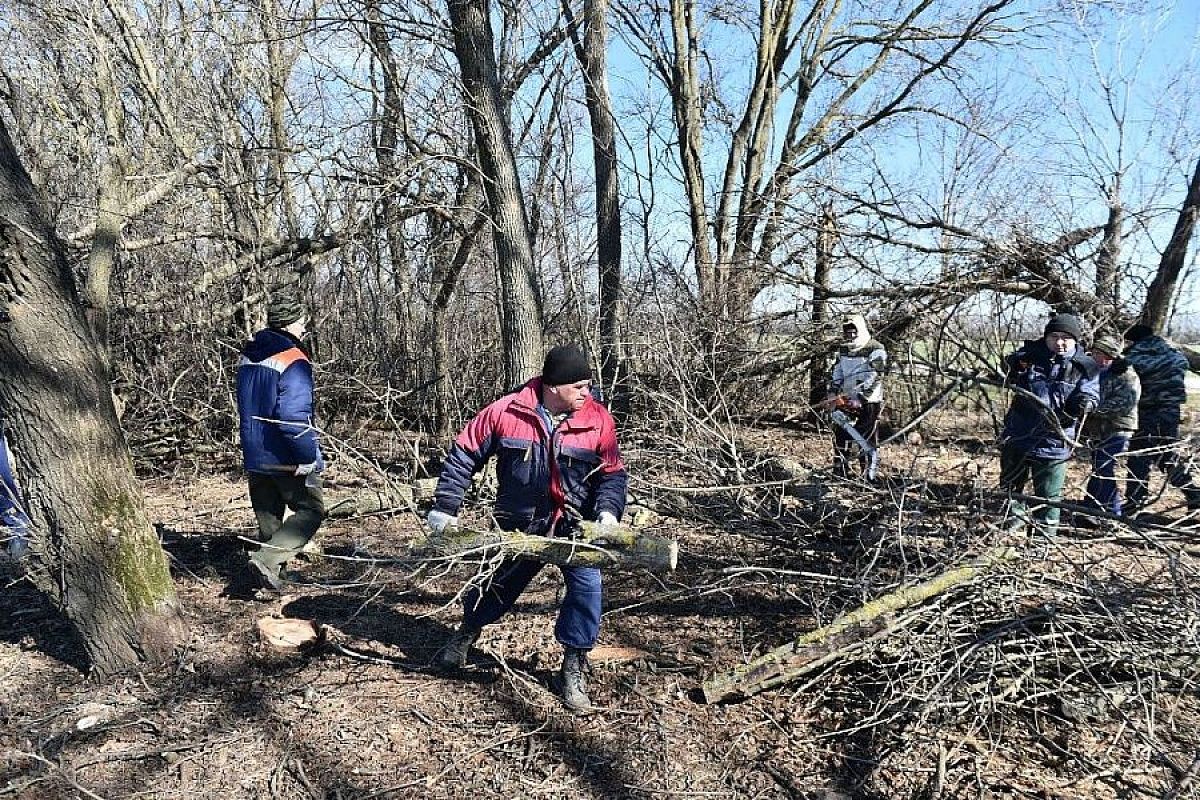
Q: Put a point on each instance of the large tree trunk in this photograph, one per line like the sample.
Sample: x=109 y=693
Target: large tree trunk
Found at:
x=95 y=552
x=685 y=100
x=593 y=57
x=1162 y=288
x=521 y=304
x=818 y=370
x=386 y=141
x=1108 y=281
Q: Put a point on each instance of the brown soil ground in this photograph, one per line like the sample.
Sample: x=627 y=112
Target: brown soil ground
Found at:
x=980 y=695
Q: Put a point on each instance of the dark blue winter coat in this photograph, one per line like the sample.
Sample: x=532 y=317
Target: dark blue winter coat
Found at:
x=275 y=404
x=1066 y=386
x=584 y=477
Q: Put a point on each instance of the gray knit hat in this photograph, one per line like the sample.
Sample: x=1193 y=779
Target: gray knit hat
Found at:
x=284 y=309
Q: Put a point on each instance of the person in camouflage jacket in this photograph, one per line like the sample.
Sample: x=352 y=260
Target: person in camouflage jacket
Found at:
x=1161 y=369
x=1111 y=423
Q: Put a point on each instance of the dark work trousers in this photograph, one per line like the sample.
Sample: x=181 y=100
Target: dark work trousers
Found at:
x=270 y=497
x=1158 y=430
x=1016 y=468
x=1103 y=491
x=578 y=623
x=845 y=450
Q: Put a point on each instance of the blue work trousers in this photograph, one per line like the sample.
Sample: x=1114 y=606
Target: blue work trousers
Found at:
x=578 y=623
x=1103 y=491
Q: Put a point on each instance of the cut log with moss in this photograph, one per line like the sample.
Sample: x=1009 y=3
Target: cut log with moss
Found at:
x=604 y=547
x=369 y=501
x=841 y=637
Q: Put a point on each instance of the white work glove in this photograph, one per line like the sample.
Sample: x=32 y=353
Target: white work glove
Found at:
x=438 y=521
x=606 y=519
x=305 y=469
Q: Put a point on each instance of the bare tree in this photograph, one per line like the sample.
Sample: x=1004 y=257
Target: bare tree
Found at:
x=96 y=554
x=1162 y=288
x=592 y=53
x=521 y=307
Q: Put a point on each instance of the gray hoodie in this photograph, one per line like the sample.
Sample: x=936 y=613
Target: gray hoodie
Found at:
x=858 y=371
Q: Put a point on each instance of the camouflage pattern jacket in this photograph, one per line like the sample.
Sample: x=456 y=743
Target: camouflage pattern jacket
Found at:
x=1117 y=413
x=1161 y=369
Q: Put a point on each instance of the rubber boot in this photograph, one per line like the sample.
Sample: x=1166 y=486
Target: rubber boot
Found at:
x=453 y=654
x=572 y=680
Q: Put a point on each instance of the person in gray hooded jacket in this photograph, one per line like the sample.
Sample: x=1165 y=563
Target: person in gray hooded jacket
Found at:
x=856 y=388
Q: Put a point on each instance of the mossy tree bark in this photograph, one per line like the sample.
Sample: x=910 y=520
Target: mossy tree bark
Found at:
x=95 y=552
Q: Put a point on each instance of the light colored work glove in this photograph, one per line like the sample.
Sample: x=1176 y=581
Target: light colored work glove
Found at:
x=305 y=469
x=438 y=521
x=606 y=519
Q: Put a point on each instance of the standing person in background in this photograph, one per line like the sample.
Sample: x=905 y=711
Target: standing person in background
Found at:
x=557 y=463
x=1055 y=384
x=279 y=443
x=1161 y=369
x=1111 y=423
x=856 y=388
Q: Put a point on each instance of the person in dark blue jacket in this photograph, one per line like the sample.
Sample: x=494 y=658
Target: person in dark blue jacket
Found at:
x=1161 y=369
x=1055 y=384
x=280 y=451
x=557 y=462
x=12 y=514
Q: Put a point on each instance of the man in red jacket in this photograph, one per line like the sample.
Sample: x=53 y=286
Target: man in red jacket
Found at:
x=557 y=462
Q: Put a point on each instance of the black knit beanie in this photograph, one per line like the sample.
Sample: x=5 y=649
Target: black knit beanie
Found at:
x=1064 y=323
x=1138 y=332
x=565 y=364
x=284 y=309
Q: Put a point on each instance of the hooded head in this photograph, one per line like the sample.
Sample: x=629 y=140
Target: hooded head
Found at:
x=854 y=331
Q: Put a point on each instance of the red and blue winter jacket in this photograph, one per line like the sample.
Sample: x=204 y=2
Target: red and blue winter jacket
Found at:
x=275 y=404
x=536 y=492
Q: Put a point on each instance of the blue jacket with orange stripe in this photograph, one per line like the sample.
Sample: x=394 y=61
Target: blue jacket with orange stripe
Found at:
x=275 y=404
x=585 y=476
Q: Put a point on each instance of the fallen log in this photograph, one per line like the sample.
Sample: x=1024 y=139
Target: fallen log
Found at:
x=604 y=547
x=370 y=501
x=840 y=637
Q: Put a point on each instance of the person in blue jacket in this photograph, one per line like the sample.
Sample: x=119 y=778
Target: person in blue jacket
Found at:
x=280 y=451
x=12 y=515
x=1055 y=384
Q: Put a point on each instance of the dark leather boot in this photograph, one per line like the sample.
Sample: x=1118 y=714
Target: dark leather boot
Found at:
x=572 y=680
x=453 y=654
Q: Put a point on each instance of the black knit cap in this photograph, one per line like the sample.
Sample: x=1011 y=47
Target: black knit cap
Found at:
x=284 y=309
x=1064 y=323
x=564 y=364
x=1138 y=332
